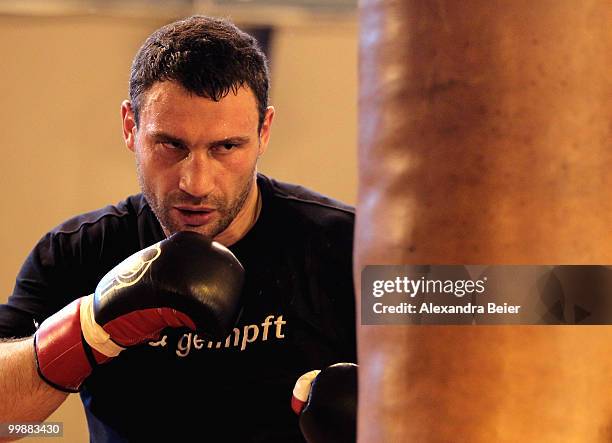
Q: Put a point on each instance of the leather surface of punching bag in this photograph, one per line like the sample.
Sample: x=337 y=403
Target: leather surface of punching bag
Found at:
x=485 y=138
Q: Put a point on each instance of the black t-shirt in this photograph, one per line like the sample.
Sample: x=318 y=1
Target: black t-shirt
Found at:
x=298 y=315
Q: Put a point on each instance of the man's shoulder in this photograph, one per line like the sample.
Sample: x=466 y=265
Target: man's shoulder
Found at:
x=122 y=213
x=113 y=231
x=306 y=203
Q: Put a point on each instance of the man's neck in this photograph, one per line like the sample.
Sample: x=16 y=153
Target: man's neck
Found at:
x=245 y=219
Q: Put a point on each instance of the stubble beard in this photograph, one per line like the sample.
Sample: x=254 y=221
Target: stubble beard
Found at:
x=226 y=210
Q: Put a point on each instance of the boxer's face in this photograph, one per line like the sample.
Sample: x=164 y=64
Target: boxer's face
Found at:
x=196 y=158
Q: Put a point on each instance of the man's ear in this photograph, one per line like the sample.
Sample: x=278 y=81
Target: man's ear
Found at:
x=264 y=133
x=129 y=124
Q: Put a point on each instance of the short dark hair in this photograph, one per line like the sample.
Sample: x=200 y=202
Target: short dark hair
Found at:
x=208 y=56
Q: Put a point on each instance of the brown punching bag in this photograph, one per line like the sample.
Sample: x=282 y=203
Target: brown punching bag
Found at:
x=485 y=138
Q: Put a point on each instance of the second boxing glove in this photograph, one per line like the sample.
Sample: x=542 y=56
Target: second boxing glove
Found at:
x=327 y=404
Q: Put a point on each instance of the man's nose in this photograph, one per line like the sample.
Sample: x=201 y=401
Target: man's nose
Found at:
x=197 y=174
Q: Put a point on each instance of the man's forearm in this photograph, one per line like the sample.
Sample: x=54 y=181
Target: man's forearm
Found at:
x=25 y=396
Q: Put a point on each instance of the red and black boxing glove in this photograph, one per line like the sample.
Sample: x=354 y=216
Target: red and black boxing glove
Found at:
x=183 y=281
x=326 y=402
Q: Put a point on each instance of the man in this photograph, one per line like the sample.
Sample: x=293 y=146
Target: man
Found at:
x=197 y=121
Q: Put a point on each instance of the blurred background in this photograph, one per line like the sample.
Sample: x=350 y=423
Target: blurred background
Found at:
x=64 y=72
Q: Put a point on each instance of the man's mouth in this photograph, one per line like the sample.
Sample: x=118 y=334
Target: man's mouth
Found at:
x=194 y=216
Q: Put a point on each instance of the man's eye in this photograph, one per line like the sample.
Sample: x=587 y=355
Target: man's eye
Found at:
x=171 y=145
x=225 y=148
